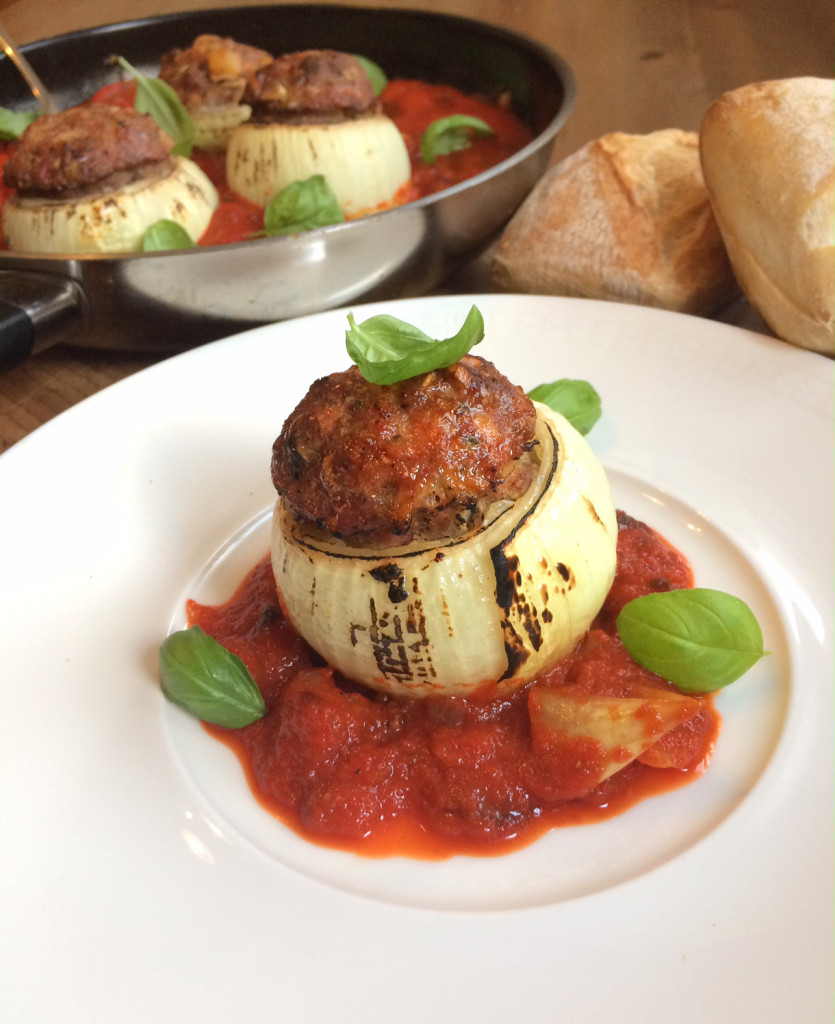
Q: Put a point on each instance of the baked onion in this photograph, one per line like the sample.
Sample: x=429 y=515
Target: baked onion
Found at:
x=113 y=220
x=364 y=160
x=482 y=613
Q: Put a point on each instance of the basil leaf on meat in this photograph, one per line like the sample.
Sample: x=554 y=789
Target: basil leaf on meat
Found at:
x=166 y=234
x=388 y=350
x=375 y=73
x=302 y=205
x=698 y=639
x=202 y=677
x=448 y=134
x=157 y=98
x=14 y=123
x=575 y=399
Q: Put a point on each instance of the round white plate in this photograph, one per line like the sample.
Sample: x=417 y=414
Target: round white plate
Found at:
x=140 y=880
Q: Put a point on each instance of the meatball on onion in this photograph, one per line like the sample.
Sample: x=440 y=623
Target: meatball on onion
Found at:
x=315 y=113
x=94 y=178
x=442 y=535
x=210 y=77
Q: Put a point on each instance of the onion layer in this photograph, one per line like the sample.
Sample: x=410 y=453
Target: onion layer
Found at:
x=113 y=221
x=481 y=614
x=214 y=126
x=364 y=161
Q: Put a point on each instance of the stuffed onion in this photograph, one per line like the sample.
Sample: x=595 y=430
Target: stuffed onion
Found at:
x=443 y=535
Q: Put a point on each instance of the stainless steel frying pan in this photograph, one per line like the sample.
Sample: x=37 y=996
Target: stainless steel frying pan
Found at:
x=174 y=300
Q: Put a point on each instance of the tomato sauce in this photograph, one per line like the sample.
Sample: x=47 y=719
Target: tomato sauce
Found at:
x=414 y=105
x=357 y=770
x=411 y=104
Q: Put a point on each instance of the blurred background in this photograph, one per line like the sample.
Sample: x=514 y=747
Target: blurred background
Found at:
x=677 y=55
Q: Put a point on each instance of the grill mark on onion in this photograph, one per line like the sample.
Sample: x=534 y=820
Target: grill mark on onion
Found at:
x=393 y=575
x=508 y=580
x=390 y=643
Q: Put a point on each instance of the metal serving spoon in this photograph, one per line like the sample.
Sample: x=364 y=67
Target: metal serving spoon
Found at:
x=39 y=90
x=24 y=305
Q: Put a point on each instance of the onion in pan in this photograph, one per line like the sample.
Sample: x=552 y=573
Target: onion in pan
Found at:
x=315 y=113
x=93 y=179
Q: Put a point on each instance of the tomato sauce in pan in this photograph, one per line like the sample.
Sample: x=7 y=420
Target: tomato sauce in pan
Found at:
x=352 y=769
x=412 y=105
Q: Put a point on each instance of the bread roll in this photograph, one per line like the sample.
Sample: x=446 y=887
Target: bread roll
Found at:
x=768 y=155
x=627 y=218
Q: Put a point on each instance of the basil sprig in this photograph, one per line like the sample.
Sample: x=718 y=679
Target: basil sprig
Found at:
x=302 y=205
x=575 y=399
x=388 y=350
x=448 y=134
x=205 y=679
x=375 y=73
x=698 y=639
x=166 y=234
x=157 y=98
x=13 y=123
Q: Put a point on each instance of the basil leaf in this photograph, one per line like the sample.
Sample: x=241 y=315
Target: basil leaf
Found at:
x=699 y=639
x=575 y=399
x=14 y=123
x=201 y=676
x=388 y=350
x=166 y=234
x=157 y=98
x=302 y=205
x=448 y=134
x=375 y=73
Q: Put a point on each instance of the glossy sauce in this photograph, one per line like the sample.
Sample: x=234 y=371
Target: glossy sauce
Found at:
x=412 y=105
x=352 y=769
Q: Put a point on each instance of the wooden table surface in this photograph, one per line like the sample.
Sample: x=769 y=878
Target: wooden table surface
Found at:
x=640 y=65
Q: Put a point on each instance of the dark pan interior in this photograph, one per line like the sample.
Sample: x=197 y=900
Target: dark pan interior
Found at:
x=472 y=56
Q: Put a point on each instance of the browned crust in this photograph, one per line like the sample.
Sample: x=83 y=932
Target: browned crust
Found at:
x=311 y=85
x=382 y=466
x=83 y=146
x=625 y=218
x=212 y=72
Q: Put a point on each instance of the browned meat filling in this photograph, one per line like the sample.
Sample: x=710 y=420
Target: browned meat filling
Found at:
x=212 y=72
x=312 y=85
x=85 y=146
x=424 y=459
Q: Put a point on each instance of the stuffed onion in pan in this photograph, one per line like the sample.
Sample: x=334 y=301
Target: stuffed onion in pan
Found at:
x=315 y=112
x=95 y=178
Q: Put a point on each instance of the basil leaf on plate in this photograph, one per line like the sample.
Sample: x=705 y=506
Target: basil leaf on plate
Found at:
x=157 y=98
x=202 y=677
x=448 y=134
x=388 y=350
x=575 y=399
x=375 y=73
x=166 y=234
x=302 y=205
x=698 y=639
x=14 y=123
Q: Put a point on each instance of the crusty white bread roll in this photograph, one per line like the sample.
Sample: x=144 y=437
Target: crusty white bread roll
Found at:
x=626 y=218
x=768 y=155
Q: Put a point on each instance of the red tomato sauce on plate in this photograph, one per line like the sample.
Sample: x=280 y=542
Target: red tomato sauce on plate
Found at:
x=411 y=104
x=432 y=777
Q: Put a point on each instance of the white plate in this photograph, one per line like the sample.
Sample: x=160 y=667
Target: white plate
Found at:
x=139 y=879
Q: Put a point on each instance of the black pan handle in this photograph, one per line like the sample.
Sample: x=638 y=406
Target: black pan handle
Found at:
x=36 y=311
